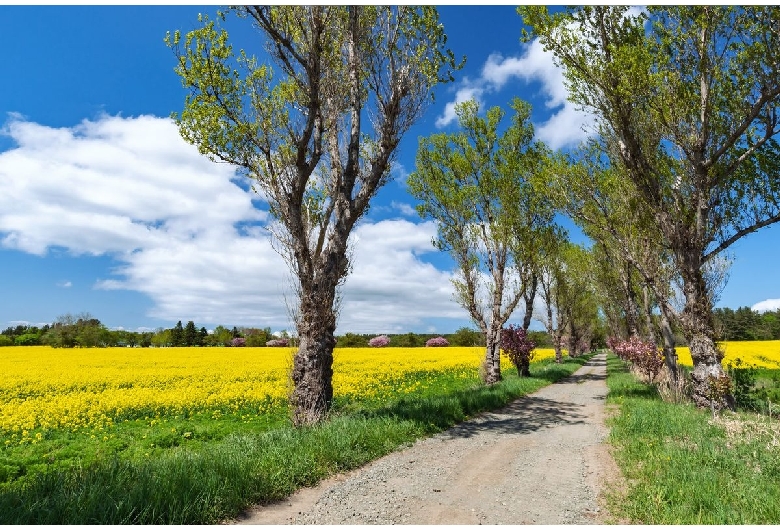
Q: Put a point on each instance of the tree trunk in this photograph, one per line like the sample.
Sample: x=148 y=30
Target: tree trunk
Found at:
x=699 y=331
x=632 y=326
x=670 y=353
x=492 y=364
x=574 y=337
x=312 y=372
x=648 y=309
x=555 y=333
x=524 y=368
x=528 y=297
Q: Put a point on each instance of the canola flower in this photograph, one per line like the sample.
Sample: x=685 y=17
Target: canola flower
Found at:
x=762 y=354
x=43 y=388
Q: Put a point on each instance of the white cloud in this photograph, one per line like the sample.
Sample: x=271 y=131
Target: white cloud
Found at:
x=112 y=185
x=772 y=304
x=398 y=173
x=65 y=284
x=566 y=126
x=390 y=289
x=404 y=208
x=184 y=233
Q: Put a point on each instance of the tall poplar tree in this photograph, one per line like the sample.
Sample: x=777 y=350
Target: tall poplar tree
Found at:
x=476 y=184
x=317 y=132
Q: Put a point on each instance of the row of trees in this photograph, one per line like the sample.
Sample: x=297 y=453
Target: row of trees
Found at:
x=682 y=163
x=684 y=160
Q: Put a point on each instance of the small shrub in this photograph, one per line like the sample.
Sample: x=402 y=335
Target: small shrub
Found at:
x=743 y=378
x=437 y=341
x=519 y=348
x=379 y=342
x=277 y=343
x=238 y=342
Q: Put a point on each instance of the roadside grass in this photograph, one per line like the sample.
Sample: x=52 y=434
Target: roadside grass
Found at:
x=683 y=467
x=218 y=471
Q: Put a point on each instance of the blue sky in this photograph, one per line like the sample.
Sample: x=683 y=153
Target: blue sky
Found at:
x=104 y=209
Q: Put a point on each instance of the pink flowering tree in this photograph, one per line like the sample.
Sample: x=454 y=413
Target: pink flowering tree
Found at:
x=519 y=348
x=437 y=341
x=379 y=342
x=643 y=355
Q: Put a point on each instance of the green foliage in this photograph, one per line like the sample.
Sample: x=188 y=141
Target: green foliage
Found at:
x=746 y=324
x=686 y=160
x=82 y=330
x=28 y=339
x=754 y=389
x=540 y=338
x=467 y=337
x=191 y=337
x=269 y=120
x=177 y=335
x=257 y=337
x=317 y=135
x=352 y=340
x=6 y=340
x=409 y=340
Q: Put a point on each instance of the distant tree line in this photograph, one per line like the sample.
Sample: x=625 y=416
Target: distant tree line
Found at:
x=85 y=331
x=746 y=324
x=462 y=337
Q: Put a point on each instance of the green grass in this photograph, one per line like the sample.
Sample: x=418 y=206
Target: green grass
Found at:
x=228 y=464
x=681 y=467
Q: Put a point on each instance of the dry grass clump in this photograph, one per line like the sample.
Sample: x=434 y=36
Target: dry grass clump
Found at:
x=674 y=387
x=749 y=429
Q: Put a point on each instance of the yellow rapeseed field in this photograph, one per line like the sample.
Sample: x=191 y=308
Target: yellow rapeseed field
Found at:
x=764 y=354
x=43 y=388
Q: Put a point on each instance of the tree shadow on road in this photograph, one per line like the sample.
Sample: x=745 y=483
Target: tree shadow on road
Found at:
x=527 y=414
x=509 y=415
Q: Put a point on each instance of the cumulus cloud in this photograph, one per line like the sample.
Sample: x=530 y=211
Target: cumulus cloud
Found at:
x=111 y=185
x=181 y=230
x=389 y=280
x=65 y=284
x=404 y=208
x=771 y=304
x=566 y=126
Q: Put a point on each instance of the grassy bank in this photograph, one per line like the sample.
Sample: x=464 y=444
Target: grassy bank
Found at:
x=683 y=467
x=216 y=478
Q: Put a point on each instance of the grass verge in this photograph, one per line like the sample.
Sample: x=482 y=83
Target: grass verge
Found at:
x=215 y=481
x=684 y=467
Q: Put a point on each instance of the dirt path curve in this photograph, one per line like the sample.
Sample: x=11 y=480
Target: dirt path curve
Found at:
x=540 y=460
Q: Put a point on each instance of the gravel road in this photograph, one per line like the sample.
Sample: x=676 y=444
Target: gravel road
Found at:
x=540 y=460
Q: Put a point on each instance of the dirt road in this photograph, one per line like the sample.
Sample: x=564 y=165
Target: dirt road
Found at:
x=540 y=460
